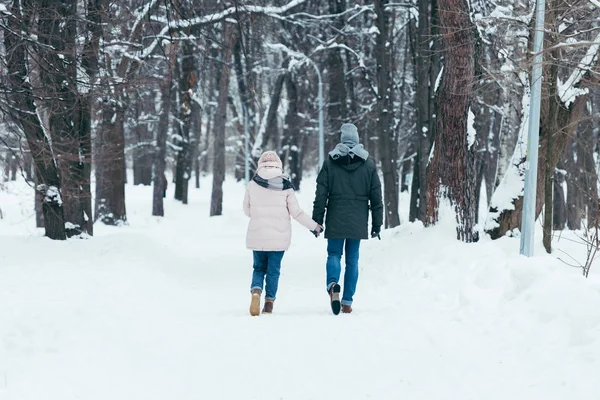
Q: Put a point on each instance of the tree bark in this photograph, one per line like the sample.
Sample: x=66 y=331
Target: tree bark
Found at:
x=452 y=174
x=25 y=113
x=59 y=75
x=187 y=85
x=387 y=142
x=290 y=153
x=337 y=110
x=548 y=165
x=110 y=179
x=143 y=152
x=216 y=205
x=559 y=207
x=422 y=71
x=162 y=131
x=566 y=124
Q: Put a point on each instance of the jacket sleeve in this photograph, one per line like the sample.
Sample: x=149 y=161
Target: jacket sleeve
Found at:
x=376 y=201
x=247 y=203
x=321 y=195
x=297 y=213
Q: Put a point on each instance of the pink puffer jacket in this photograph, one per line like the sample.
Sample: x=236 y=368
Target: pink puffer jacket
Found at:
x=269 y=210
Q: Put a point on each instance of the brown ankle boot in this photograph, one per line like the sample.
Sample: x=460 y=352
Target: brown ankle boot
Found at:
x=268 y=307
x=255 y=302
x=346 y=309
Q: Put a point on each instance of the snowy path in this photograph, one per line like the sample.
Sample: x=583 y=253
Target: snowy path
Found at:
x=159 y=310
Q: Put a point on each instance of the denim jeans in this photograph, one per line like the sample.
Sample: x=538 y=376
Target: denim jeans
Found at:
x=267 y=265
x=335 y=249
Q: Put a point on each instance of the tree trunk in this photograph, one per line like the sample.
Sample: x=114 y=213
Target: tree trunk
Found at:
x=14 y=167
x=247 y=106
x=269 y=130
x=337 y=110
x=550 y=130
x=290 y=153
x=187 y=85
x=559 y=206
x=28 y=165
x=575 y=195
x=25 y=112
x=566 y=124
x=142 y=152
x=7 y=163
x=422 y=71
x=162 y=131
x=110 y=177
x=387 y=142
x=591 y=176
x=452 y=174
x=216 y=205
x=59 y=74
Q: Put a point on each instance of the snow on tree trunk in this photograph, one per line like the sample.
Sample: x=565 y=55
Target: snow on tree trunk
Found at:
x=21 y=96
x=58 y=73
x=451 y=174
x=187 y=85
x=507 y=204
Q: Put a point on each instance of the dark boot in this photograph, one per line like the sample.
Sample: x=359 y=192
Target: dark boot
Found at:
x=268 y=307
x=346 y=309
x=255 y=302
x=334 y=296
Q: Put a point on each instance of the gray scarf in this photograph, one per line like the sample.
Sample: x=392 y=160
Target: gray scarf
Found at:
x=277 y=183
x=342 y=150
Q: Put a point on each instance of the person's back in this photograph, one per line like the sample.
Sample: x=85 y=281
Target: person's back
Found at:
x=351 y=184
x=270 y=201
x=347 y=187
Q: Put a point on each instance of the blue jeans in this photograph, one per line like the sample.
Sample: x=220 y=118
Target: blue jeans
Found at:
x=267 y=265
x=335 y=249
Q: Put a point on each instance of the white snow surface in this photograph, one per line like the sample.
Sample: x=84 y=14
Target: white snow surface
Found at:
x=158 y=309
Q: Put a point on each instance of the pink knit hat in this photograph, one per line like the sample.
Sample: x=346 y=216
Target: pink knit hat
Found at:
x=269 y=159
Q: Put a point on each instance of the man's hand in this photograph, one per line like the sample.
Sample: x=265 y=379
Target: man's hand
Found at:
x=317 y=231
x=375 y=233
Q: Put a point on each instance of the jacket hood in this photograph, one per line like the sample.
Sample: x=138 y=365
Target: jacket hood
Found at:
x=348 y=163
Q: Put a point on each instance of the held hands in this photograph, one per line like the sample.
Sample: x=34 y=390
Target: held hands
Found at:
x=317 y=231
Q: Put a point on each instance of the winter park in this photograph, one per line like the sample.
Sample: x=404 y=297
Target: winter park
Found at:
x=299 y=199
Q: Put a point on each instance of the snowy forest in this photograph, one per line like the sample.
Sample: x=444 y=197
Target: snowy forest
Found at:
x=439 y=91
x=186 y=142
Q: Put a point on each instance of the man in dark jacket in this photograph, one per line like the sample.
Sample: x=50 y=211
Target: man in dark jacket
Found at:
x=347 y=186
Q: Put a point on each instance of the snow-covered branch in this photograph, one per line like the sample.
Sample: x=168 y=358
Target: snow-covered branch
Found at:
x=177 y=25
x=568 y=91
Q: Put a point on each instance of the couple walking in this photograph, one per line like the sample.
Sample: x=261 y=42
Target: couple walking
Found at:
x=347 y=187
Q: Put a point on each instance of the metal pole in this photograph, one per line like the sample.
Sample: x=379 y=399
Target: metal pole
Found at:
x=528 y=218
x=321 y=123
x=321 y=117
x=246 y=147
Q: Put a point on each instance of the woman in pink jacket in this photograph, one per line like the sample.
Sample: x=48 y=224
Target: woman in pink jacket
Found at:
x=269 y=202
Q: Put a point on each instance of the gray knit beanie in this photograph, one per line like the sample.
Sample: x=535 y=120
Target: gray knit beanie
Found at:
x=349 y=135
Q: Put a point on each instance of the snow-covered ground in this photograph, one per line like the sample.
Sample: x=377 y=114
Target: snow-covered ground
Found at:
x=159 y=310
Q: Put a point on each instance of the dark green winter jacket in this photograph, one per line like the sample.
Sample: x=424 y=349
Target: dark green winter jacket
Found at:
x=348 y=187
